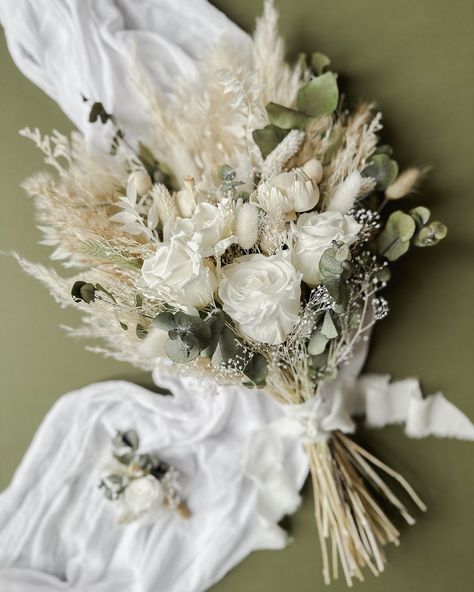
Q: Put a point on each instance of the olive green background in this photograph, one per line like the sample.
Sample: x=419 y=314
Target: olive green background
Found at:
x=415 y=59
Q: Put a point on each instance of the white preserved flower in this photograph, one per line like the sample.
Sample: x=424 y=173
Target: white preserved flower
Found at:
x=207 y=226
x=314 y=234
x=288 y=192
x=142 y=495
x=191 y=278
x=314 y=169
x=262 y=295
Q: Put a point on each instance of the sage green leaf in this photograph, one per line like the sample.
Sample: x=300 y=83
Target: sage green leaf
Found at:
x=193 y=330
x=421 y=215
x=228 y=350
x=83 y=292
x=98 y=112
x=319 y=61
x=216 y=324
x=165 y=321
x=257 y=370
x=430 y=235
x=394 y=240
x=392 y=248
x=286 y=118
x=329 y=265
x=328 y=328
x=102 y=289
x=268 y=138
x=400 y=225
x=180 y=352
x=319 y=96
x=125 y=459
x=382 y=169
x=129 y=439
x=317 y=343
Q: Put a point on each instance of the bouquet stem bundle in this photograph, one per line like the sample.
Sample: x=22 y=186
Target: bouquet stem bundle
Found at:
x=348 y=493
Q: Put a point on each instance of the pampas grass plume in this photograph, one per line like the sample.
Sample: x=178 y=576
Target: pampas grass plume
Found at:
x=346 y=193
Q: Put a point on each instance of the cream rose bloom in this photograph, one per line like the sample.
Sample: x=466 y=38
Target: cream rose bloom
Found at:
x=184 y=271
x=262 y=295
x=143 y=494
x=205 y=230
x=314 y=234
x=288 y=192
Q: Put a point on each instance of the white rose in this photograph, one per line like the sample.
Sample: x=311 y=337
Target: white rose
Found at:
x=288 y=192
x=204 y=229
x=314 y=234
x=191 y=278
x=262 y=295
x=143 y=494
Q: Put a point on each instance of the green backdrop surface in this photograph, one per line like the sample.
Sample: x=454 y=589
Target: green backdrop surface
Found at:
x=415 y=60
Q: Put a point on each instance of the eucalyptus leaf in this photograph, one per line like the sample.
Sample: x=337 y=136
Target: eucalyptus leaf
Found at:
x=228 y=350
x=102 y=289
x=165 y=321
x=421 y=215
x=268 y=138
x=216 y=324
x=192 y=329
x=317 y=343
x=329 y=265
x=125 y=459
x=286 y=118
x=83 y=292
x=394 y=240
x=319 y=61
x=382 y=169
x=400 y=225
x=98 y=112
x=128 y=439
x=319 y=96
x=257 y=370
x=430 y=235
x=328 y=328
x=180 y=352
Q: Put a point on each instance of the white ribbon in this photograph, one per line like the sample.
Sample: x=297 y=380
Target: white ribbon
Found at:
x=382 y=402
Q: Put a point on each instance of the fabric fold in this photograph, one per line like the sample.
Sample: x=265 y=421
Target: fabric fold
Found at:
x=59 y=533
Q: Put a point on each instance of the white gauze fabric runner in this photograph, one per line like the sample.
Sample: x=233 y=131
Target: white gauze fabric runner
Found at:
x=58 y=532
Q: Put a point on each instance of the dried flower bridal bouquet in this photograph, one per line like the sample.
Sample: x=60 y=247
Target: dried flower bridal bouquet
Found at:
x=247 y=245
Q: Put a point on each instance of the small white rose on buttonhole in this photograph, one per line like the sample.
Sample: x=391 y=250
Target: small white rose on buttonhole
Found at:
x=143 y=494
